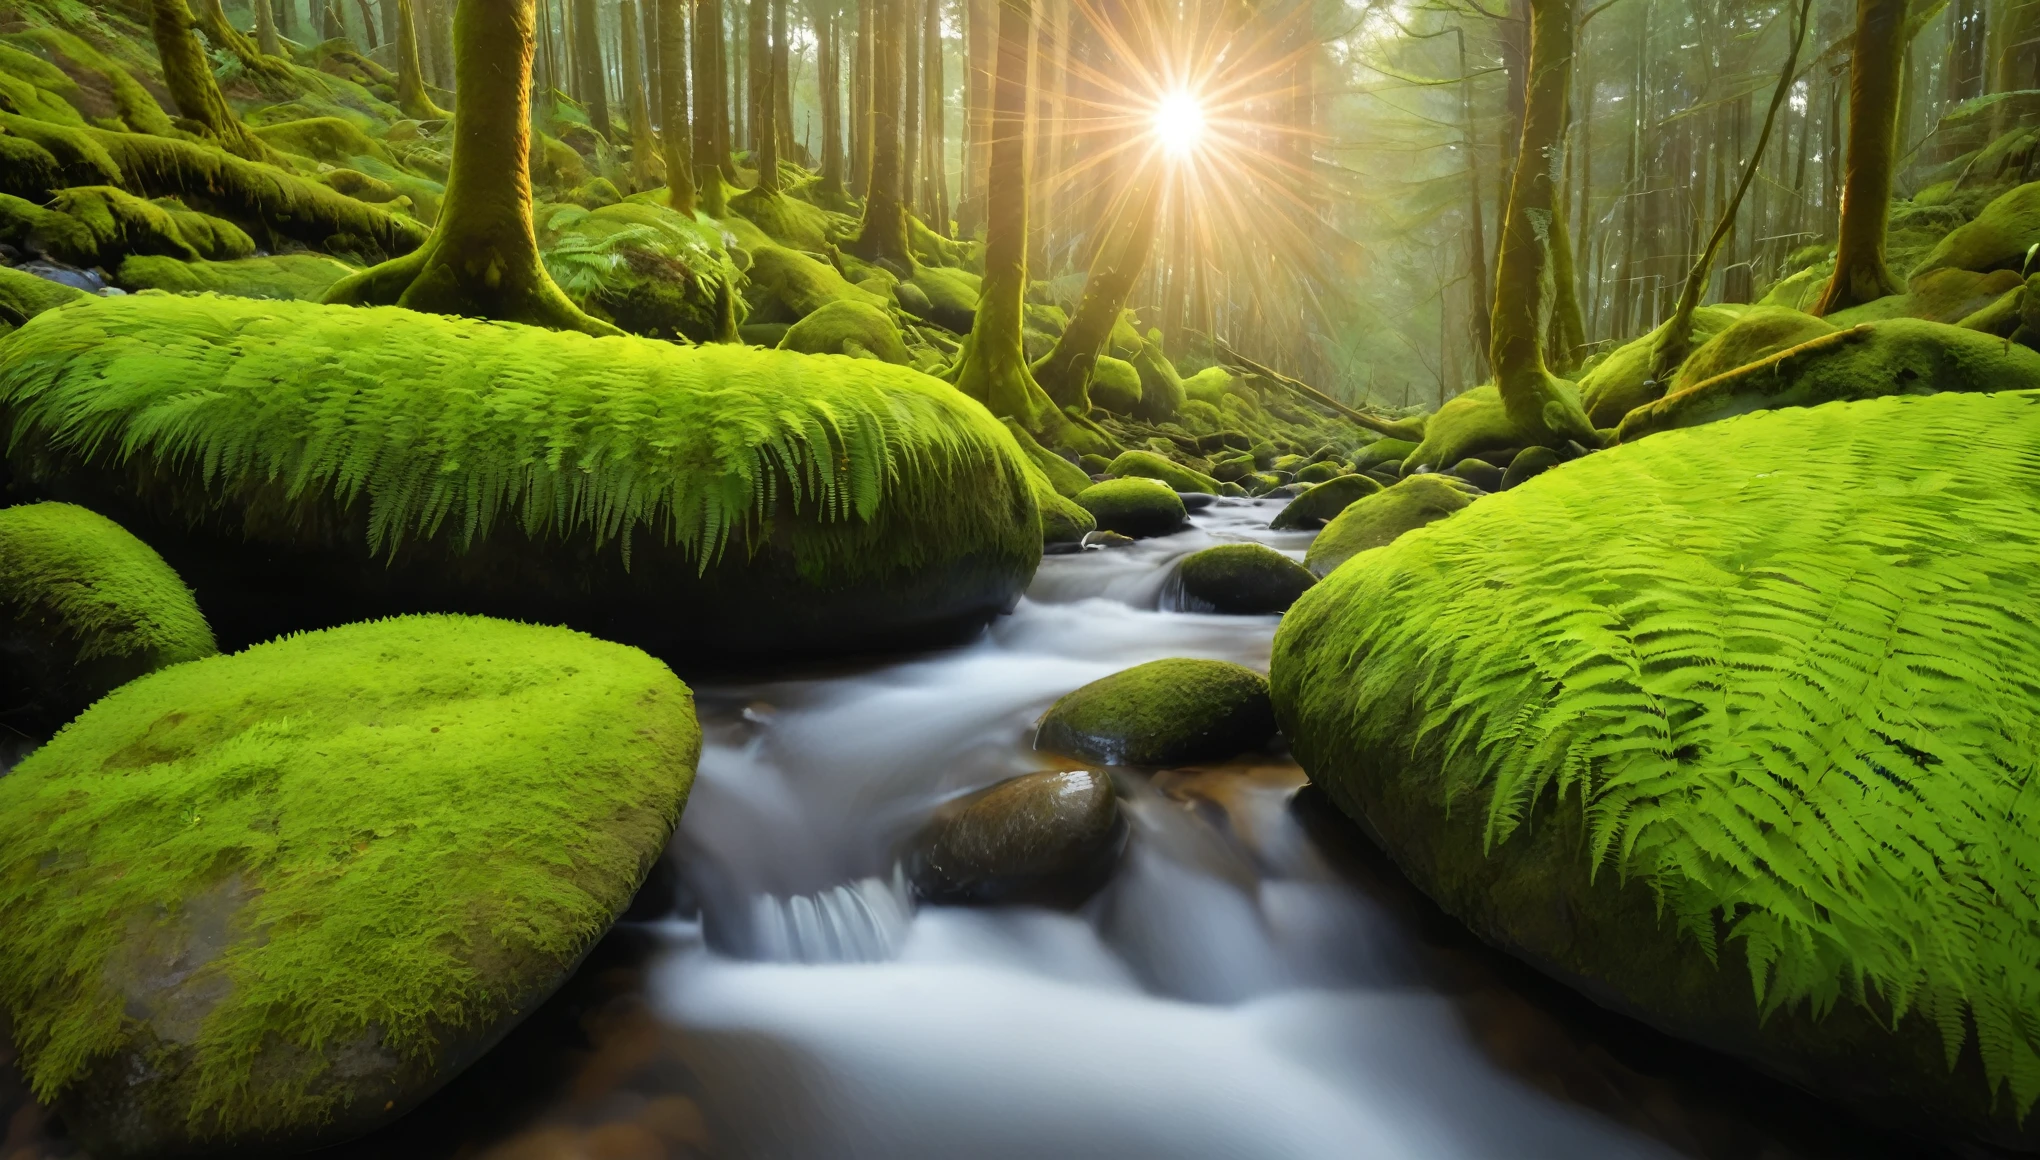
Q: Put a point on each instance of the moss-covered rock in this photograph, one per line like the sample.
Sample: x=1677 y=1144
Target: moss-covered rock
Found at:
x=1945 y=295
x=1116 y=386
x=1241 y=579
x=1471 y=423
x=1210 y=385
x=788 y=221
x=952 y=296
x=1997 y=240
x=787 y=286
x=327 y=464
x=23 y=296
x=1048 y=838
x=1762 y=331
x=1382 y=451
x=1319 y=472
x=1317 y=506
x=1134 y=506
x=1166 y=712
x=1528 y=464
x=1904 y=356
x=269 y=901
x=1150 y=465
x=1621 y=382
x=646 y=268
x=97 y=225
x=84 y=609
x=1732 y=730
x=858 y=329
x=333 y=140
x=1161 y=388
x=297 y=277
x=1374 y=520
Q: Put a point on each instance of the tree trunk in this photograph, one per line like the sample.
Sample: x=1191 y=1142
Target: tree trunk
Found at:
x=1476 y=211
x=588 y=67
x=1065 y=371
x=286 y=18
x=187 y=73
x=266 y=39
x=829 y=64
x=907 y=15
x=331 y=27
x=368 y=35
x=1541 y=411
x=644 y=150
x=883 y=236
x=1874 y=65
x=264 y=69
x=711 y=147
x=411 y=95
x=482 y=258
x=977 y=128
x=781 y=91
x=860 y=102
x=674 y=129
x=764 y=108
x=648 y=23
x=934 y=170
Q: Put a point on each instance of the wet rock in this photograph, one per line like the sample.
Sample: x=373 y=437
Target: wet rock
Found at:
x=1044 y=838
x=1318 y=472
x=1243 y=579
x=1318 y=505
x=1480 y=473
x=1530 y=463
x=1106 y=540
x=1134 y=507
x=1196 y=501
x=1166 y=712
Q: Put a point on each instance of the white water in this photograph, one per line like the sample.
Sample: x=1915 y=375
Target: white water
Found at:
x=1225 y=996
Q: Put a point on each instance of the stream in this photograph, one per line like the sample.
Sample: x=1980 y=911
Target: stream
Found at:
x=1254 y=982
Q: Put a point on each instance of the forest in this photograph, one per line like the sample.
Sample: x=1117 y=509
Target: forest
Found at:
x=1019 y=578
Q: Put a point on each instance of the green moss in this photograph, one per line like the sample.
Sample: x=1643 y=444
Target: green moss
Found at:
x=1147 y=464
x=84 y=608
x=1210 y=385
x=1319 y=472
x=1802 y=290
x=1761 y=331
x=1115 y=385
x=933 y=249
x=1620 y=383
x=952 y=296
x=115 y=223
x=1164 y=712
x=1472 y=423
x=1382 y=451
x=787 y=286
x=1161 y=389
x=595 y=193
x=1997 y=240
x=1241 y=579
x=1134 y=507
x=299 y=277
x=1062 y=520
x=1319 y=505
x=1064 y=478
x=26 y=168
x=1900 y=357
x=1380 y=518
x=1763 y=693
x=101 y=87
x=853 y=328
x=788 y=221
x=1947 y=295
x=555 y=164
x=35 y=88
x=23 y=296
x=646 y=268
x=491 y=466
x=333 y=140
x=423 y=824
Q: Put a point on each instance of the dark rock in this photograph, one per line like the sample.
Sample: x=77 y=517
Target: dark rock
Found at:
x=1165 y=712
x=1196 y=501
x=1243 y=579
x=1319 y=504
x=1528 y=464
x=1043 y=838
x=1105 y=540
x=1380 y=518
x=1480 y=473
x=913 y=299
x=1134 y=507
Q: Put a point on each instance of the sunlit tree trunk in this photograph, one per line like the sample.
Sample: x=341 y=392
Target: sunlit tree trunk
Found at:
x=368 y=35
x=860 y=102
x=265 y=29
x=829 y=64
x=675 y=132
x=907 y=17
x=782 y=81
x=482 y=258
x=1065 y=371
x=711 y=149
x=978 y=37
x=764 y=107
x=934 y=168
x=884 y=232
x=1874 y=65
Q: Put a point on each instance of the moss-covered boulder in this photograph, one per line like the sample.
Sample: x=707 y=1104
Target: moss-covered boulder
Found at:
x=1528 y=464
x=1167 y=712
x=297 y=277
x=787 y=286
x=1241 y=579
x=858 y=329
x=1317 y=506
x=1997 y=240
x=1048 y=838
x=952 y=296
x=1161 y=388
x=84 y=609
x=1472 y=423
x=1377 y=519
x=23 y=296
x=1382 y=451
x=1134 y=506
x=1904 y=356
x=1762 y=331
x=1210 y=385
x=1115 y=385
x=1152 y=465
x=307 y=465
x=646 y=268
x=97 y=225
x=266 y=902
x=1621 y=382
x=1733 y=731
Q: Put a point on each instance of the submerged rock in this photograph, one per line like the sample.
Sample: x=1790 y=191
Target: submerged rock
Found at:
x=1166 y=712
x=1134 y=507
x=1378 y=519
x=267 y=902
x=1044 y=838
x=1724 y=728
x=1245 y=579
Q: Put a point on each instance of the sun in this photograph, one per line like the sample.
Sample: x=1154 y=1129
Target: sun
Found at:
x=1179 y=123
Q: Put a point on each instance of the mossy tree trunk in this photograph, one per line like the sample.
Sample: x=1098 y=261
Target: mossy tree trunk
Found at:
x=482 y=258
x=644 y=150
x=1540 y=409
x=884 y=233
x=860 y=102
x=934 y=171
x=977 y=115
x=592 y=80
x=1567 y=333
x=266 y=38
x=767 y=109
x=411 y=95
x=758 y=73
x=1065 y=371
x=1675 y=342
x=710 y=146
x=782 y=81
x=830 y=68
x=187 y=73
x=1876 y=63
x=674 y=130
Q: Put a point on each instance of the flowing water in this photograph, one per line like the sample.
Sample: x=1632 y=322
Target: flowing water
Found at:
x=1253 y=982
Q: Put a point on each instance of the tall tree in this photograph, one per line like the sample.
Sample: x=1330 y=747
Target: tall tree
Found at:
x=765 y=106
x=829 y=65
x=883 y=236
x=266 y=38
x=590 y=75
x=674 y=130
x=411 y=95
x=482 y=258
x=908 y=14
x=758 y=71
x=187 y=73
x=860 y=101
x=1065 y=371
x=935 y=178
x=711 y=109
x=1876 y=61
x=979 y=35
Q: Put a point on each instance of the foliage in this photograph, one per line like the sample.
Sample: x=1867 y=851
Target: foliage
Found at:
x=1786 y=675
x=303 y=277
x=73 y=575
x=411 y=806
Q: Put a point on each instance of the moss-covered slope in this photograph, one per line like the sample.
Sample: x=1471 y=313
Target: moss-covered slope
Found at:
x=306 y=465
x=367 y=852
x=1733 y=729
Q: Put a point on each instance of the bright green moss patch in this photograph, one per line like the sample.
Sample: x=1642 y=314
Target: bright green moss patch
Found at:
x=333 y=140
x=1164 y=712
x=1379 y=518
x=858 y=329
x=787 y=286
x=1323 y=502
x=1760 y=332
x=1245 y=579
x=1150 y=465
x=1997 y=240
x=1620 y=383
x=1784 y=671
x=644 y=267
x=1134 y=506
x=23 y=296
x=300 y=277
x=1115 y=386
x=417 y=827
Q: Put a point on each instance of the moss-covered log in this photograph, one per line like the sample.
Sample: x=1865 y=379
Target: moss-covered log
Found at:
x=308 y=465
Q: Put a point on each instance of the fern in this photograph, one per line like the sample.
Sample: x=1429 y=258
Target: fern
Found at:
x=1786 y=666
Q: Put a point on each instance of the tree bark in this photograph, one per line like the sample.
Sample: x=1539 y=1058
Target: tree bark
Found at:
x=482 y=258
x=779 y=138
x=977 y=128
x=674 y=129
x=589 y=73
x=1537 y=406
x=907 y=15
x=829 y=51
x=883 y=236
x=860 y=101
x=187 y=73
x=644 y=150
x=934 y=169
x=1874 y=65
x=711 y=150
x=266 y=38
x=368 y=35
x=1065 y=371
x=411 y=95
x=758 y=74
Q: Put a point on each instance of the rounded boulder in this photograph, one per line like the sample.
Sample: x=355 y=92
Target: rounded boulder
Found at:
x=1243 y=579
x=1166 y=712
x=1134 y=507
x=1048 y=838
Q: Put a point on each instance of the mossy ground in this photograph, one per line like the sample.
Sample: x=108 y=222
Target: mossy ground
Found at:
x=429 y=816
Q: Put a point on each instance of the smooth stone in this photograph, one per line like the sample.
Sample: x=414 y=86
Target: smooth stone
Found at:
x=1165 y=712
x=1242 y=579
x=1134 y=506
x=1318 y=505
x=1047 y=838
x=1529 y=463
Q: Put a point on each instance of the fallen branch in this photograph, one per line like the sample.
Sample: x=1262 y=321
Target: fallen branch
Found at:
x=1391 y=428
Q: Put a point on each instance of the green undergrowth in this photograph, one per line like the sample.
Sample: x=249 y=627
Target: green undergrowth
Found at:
x=301 y=277
x=444 y=427
x=80 y=578
x=648 y=269
x=422 y=819
x=23 y=296
x=1786 y=671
